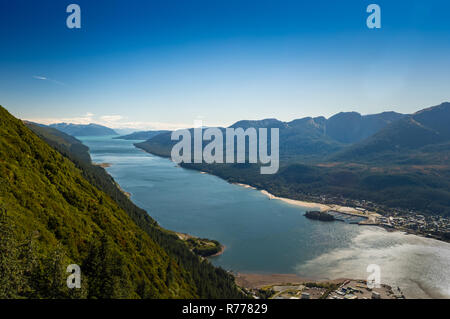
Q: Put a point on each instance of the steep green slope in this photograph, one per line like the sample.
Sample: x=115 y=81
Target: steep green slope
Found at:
x=210 y=282
x=60 y=140
x=49 y=208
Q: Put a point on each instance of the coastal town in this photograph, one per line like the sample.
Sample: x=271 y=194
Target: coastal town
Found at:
x=292 y=287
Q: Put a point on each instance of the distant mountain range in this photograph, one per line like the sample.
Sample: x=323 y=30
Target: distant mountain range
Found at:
x=344 y=127
x=141 y=135
x=84 y=130
x=307 y=137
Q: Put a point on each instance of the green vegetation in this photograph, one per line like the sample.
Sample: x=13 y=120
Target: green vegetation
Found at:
x=52 y=216
x=322 y=216
x=204 y=247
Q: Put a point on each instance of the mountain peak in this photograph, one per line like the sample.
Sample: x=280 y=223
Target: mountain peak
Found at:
x=442 y=106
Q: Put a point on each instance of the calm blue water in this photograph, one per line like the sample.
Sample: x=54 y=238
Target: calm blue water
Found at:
x=270 y=236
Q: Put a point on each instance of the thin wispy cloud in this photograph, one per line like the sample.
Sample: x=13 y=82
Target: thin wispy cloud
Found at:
x=111 y=118
x=38 y=77
x=44 y=78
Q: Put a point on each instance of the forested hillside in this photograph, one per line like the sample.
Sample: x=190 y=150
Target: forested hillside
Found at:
x=51 y=216
x=420 y=138
x=220 y=284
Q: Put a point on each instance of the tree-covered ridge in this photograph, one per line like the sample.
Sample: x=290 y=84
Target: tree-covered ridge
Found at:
x=51 y=216
x=61 y=141
x=210 y=282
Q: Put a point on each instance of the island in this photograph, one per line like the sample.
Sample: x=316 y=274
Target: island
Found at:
x=202 y=246
x=318 y=215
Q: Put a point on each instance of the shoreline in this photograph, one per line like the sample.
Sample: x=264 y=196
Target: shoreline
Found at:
x=220 y=252
x=370 y=216
x=244 y=185
x=296 y=202
x=103 y=165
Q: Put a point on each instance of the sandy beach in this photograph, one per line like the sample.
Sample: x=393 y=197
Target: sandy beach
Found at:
x=244 y=185
x=371 y=216
x=295 y=202
x=300 y=203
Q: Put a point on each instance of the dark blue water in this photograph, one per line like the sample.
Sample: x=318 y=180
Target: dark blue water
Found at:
x=263 y=235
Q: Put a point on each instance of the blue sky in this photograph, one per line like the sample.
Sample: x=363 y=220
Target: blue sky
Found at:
x=164 y=64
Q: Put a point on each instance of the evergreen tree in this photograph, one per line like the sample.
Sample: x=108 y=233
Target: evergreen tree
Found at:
x=12 y=279
x=108 y=277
